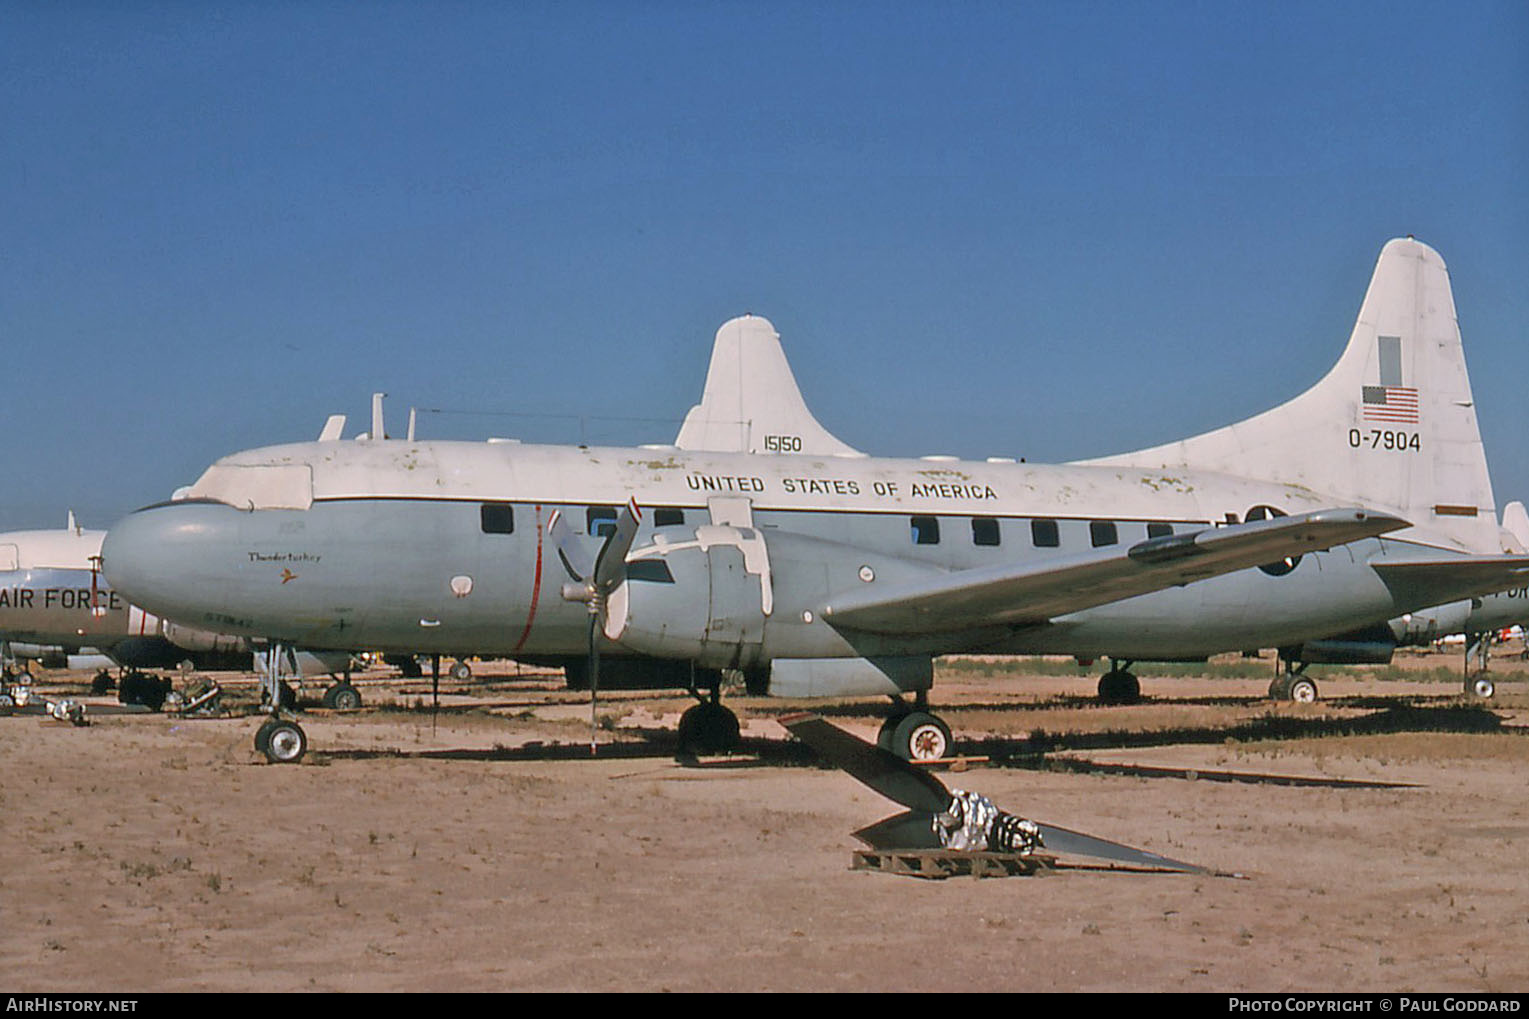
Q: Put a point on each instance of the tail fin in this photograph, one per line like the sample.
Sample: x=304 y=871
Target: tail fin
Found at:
x=751 y=402
x=1515 y=526
x=1391 y=427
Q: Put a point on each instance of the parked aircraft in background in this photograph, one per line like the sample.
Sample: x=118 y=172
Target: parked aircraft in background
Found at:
x=819 y=572
x=57 y=608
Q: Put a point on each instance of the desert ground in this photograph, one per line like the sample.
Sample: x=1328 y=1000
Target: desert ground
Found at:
x=478 y=846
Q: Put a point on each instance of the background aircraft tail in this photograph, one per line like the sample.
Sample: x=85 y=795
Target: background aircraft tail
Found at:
x=1391 y=427
x=1515 y=527
x=751 y=402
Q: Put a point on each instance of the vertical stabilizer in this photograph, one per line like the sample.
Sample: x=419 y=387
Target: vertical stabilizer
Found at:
x=751 y=402
x=1515 y=526
x=1391 y=427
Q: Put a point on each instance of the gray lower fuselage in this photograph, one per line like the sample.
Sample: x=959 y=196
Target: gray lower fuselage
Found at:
x=423 y=575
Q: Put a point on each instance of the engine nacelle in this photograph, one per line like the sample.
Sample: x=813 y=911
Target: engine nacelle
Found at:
x=850 y=677
x=192 y=639
x=1429 y=625
x=1372 y=645
x=704 y=600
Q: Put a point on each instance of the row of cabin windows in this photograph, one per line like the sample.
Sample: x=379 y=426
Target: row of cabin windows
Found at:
x=1044 y=533
x=600 y=521
x=499 y=518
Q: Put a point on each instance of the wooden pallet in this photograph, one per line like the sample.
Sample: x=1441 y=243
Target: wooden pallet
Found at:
x=937 y=864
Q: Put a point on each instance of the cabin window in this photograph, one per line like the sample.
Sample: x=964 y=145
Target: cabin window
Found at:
x=600 y=521
x=1044 y=534
x=985 y=531
x=926 y=530
x=1102 y=532
x=668 y=517
x=497 y=518
x=1159 y=530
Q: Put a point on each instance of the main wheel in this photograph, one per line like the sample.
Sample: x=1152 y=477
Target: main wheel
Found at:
x=461 y=672
x=919 y=736
x=1480 y=686
x=1119 y=687
x=1303 y=690
x=1279 y=687
x=708 y=728
x=342 y=697
x=285 y=742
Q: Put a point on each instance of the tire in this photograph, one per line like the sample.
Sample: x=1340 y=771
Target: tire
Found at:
x=342 y=697
x=461 y=672
x=1303 y=690
x=708 y=728
x=1279 y=687
x=920 y=736
x=1480 y=687
x=263 y=734
x=285 y=742
x=1119 y=687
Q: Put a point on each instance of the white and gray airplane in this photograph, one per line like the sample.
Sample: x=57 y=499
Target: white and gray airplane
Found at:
x=55 y=606
x=819 y=571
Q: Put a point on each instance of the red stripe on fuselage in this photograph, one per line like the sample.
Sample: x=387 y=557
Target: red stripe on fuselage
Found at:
x=536 y=583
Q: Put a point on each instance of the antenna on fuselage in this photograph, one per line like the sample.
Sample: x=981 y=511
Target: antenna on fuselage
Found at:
x=378 y=430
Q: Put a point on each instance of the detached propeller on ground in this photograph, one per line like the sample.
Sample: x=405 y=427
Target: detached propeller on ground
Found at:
x=593 y=584
x=928 y=798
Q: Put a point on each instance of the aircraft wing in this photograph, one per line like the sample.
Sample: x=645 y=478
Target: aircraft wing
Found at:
x=1018 y=594
x=1434 y=581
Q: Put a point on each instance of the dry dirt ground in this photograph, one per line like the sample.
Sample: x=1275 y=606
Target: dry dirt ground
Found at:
x=479 y=847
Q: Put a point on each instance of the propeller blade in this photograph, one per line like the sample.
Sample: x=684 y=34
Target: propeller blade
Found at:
x=926 y=796
x=577 y=562
x=888 y=774
x=912 y=829
x=1065 y=841
x=610 y=565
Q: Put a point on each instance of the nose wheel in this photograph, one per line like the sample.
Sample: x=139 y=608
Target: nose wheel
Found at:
x=281 y=741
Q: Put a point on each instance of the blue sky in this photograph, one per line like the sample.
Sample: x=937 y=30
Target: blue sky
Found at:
x=1050 y=230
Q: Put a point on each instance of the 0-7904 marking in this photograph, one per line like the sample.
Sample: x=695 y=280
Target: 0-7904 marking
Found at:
x=1381 y=438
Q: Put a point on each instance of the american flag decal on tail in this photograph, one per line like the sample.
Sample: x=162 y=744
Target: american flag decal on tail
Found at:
x=1397 y=404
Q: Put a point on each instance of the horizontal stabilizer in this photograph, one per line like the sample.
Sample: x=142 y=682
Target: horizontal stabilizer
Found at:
x=1436 y=581
x=1028 y=592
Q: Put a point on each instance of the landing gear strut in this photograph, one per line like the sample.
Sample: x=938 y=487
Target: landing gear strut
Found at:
x=1119 y=685
x=280 y=739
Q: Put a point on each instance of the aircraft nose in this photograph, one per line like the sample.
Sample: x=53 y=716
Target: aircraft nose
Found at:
x=173 y=559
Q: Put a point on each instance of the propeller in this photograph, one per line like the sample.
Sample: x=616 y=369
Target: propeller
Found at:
x=594 y=583
x=927 y=797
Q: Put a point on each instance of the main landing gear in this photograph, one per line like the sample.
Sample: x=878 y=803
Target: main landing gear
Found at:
x=914 y=734
x=1119 y=685
x=708 y=727
x=1478 y=684
x=342 y=696
x=1293 y=684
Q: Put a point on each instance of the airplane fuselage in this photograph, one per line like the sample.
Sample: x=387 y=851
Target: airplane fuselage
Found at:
x=444 y=547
